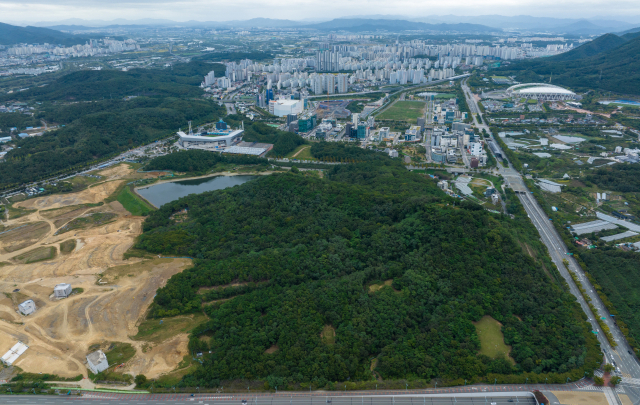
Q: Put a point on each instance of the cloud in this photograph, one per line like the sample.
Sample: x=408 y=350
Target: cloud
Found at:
x=221 y=10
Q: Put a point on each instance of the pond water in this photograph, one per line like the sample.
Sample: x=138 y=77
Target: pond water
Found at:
x=161 y=194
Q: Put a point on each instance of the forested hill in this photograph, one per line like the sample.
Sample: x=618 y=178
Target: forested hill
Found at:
x=12 y=34
x=95 y=121
x=375 y=253
x=613 y=70
x=97 y=130
x=182 y=80
x=599 y=45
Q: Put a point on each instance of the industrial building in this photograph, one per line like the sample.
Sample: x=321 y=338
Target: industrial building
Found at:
x=249 y=148
x=284 y=107
x=97 y=362
x=27 y=307
x=62 y=290
x=12 y=355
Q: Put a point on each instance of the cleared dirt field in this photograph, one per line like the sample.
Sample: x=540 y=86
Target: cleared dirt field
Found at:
x=60 y=332
x=92 y=195
x=580 y=398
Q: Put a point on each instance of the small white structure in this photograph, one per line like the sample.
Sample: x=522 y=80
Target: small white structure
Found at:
x=97 y=361
x=62 y=290
x=27 y=307
x=12 y=355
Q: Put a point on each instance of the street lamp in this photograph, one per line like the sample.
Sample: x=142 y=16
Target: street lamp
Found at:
x=527 y=380
x=568 y=379
x=495 y=380
x=406 y=386
x=545 y=379
x=465 y=382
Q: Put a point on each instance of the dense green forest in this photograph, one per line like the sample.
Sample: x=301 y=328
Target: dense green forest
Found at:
x=617 y=273
x=599 y=45
x=623 y=178
x=199 y=161
x=307 y=250
x=181 y=80
x=340 y=152
x=613 y=70
x=99 y=129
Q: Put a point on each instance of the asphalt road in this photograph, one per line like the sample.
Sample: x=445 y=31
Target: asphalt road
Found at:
x=479 y=399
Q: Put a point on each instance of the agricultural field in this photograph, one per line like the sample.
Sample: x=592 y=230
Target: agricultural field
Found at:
x=404 y=111
x=81 y=238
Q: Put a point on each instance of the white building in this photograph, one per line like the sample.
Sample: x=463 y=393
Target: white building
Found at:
x=282 y=108
x=97 y=362
x=27 y=307
x=62 y=290
x=210 y=79
x=12 y=355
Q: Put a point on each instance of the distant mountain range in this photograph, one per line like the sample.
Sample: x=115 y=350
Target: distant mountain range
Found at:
x=357 y=24
x=572 y=26
x=609 y=62
x=11 y=34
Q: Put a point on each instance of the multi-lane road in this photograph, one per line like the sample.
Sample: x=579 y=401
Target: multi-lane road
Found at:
x=622 y=356
x=491 y=398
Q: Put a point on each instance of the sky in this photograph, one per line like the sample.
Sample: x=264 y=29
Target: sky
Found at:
x=26 y=11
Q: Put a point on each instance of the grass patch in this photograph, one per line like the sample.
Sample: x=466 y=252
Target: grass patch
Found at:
x=491 y=338
x=21 y=236
x=328 y=335
x=37 y=255
x=68 y=246
x=152 y=330
x=77 y=290
x=119 y=353
x=15 y=212
x=378 y=286
x=404 y=111
x=112 y=274
x=272 y=349
x=132 y=203
x=97 y=219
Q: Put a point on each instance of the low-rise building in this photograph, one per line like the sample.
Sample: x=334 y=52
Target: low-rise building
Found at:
x=27 y=307
x=97 y=362
x=62 y=290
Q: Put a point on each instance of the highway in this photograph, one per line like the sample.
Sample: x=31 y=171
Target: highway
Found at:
x=622 y=357
x=505 y=398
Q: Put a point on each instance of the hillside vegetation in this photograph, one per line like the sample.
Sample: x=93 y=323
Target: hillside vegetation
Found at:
x=612 y=70
x=98 y=130
x=11 y=35
x=292 y=256
x=182 y=80
x=599 y=45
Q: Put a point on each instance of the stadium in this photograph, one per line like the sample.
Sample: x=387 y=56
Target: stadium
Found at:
x=540 y=91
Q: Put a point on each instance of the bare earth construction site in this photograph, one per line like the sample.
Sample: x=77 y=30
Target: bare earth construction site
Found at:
x=80 y=239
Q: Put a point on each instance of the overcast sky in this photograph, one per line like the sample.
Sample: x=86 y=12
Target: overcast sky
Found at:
x=25 y=11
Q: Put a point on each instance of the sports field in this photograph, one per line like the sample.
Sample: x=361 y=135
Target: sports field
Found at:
x=404 y=111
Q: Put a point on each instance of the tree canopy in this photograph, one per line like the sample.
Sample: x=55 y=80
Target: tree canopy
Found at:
x=376 y=253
